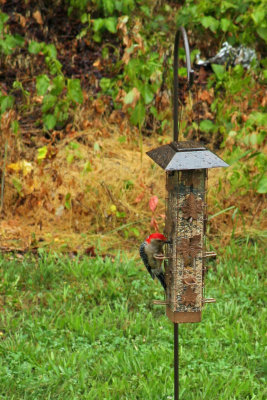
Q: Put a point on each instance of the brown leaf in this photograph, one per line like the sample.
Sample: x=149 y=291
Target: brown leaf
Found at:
x=97 y=64
x=22 y=20
x=206 y=96
x=139 y=198
x=153 y=201
x=99 y=106
x=90 y=251
x=38 y=18
x=154 y=224
x=202 y=75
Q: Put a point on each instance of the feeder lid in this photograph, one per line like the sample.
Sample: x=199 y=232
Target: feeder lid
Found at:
x=177 y=156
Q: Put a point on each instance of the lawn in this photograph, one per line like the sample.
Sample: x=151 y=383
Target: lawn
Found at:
x=80 y=328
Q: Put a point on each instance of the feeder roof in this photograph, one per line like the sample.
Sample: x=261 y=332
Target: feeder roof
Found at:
x=177 y=156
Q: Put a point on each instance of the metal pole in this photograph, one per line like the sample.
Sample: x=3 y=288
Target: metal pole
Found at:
x=190 y=76
x=176 y=360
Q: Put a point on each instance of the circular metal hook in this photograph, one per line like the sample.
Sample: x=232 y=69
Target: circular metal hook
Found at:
x=190 y=76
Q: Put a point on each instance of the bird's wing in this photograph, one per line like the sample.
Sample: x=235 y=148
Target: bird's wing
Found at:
x=161 y=278
x=145 y=260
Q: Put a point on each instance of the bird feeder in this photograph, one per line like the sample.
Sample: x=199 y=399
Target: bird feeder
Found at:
x=186 y=164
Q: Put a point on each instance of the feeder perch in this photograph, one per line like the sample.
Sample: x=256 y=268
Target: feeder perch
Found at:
x=186 y=164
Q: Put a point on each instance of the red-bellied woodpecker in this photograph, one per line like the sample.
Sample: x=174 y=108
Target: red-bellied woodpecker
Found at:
x=151 y=252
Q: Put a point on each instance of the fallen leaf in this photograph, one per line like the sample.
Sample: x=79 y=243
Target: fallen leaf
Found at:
x=90 y=251
x=153 y=201
x=21 y=166
x=97 y=64
x=99 y=106
x=139 y=198
x=154 y=224
x=38 y=18
x=22 y=20
x=206 y=96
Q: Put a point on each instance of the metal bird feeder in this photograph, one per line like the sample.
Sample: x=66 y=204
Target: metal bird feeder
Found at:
x=186 y=164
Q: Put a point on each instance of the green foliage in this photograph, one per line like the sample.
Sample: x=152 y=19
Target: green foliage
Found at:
x=243 y=140
x=41 y=153
x=6 y=102
x=59 y=93
x=8 y=43
x=107 y=12
x=82 y=328
x=239 y=21
x=142 y=78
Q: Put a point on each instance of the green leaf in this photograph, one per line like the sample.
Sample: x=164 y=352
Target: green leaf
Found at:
x=98 y=24
x=58 y=85
x=97 y=148
x=219 y=71
x=17 y=185
x=49 y=121
x=262 y=32
x=41 y=153
x=225 y=23
x=35 y=47
x=75 y=90
x=206 y=125
x=42 y=83
x=129 y=98
x=15 y=126
x=109 y=7
x=10 y=42
x=87 y=167
x=84 y=18
x=262 y=185
x=111 y=24
x=54 y=65
x=258 y=15
x=105 y=84
x=68 y=201
x=210 y=22
x=6 y=102
x=138 y=114
x=147 y=94
x=226 y=5
x=97 y=37
x=48 y=102
x=257 y=118
x=3 y=19
x=50 y=50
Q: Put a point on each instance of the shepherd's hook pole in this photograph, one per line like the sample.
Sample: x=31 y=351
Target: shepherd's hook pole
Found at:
x=176 y=360
x=190 y=77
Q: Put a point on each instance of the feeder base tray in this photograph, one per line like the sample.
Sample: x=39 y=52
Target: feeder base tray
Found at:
x=183 y=317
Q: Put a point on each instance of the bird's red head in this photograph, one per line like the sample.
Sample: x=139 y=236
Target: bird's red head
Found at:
x=157 y=236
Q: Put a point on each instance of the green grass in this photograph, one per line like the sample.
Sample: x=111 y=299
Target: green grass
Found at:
x=86 y=329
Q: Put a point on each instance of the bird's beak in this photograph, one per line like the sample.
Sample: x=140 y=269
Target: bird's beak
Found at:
x=168 y=241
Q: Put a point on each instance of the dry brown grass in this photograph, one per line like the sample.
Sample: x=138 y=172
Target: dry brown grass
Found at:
x=108 y=203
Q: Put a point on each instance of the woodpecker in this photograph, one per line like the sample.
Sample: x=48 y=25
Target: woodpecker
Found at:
x=151 y=247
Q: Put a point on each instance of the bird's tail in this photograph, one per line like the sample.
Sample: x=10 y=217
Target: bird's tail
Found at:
x=161 y=278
